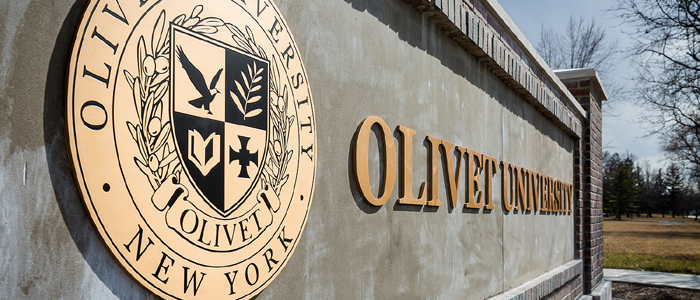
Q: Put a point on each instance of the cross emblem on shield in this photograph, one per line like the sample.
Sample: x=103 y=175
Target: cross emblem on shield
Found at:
x=219 y=105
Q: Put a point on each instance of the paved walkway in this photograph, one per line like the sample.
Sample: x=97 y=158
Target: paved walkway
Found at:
x=653 y=278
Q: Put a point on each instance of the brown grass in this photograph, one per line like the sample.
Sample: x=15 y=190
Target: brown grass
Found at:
x=645 y=237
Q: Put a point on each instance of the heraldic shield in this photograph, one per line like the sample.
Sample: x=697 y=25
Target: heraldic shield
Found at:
x=220 y=104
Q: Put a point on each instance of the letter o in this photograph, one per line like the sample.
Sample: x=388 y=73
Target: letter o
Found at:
x=247 y=274
x=94 y=115
x=360 y=160
x=182 y=221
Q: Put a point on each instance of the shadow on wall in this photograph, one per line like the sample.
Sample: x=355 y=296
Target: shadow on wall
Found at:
x=352 y=183
x=67 y=196
x=422 y=33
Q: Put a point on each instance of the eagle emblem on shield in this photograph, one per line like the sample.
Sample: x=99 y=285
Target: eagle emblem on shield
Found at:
x=219 y=109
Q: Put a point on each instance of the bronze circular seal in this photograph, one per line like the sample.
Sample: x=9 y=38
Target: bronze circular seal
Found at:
x=191 y=133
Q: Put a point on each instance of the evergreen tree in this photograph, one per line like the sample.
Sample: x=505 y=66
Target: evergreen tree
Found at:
x=676 y=188
x=610 y=162
x=645 y=199
x=657 y=191
x=624 y=189
x=695 y=191
x=639 y=177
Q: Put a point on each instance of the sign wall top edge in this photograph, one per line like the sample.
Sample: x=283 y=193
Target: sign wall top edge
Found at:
x=507 y=23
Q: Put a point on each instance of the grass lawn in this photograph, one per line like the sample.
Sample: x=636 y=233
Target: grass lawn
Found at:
x=647 y=245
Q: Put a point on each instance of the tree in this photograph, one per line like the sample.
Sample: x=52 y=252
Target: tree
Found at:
x=639 y=177
x=550 y=48
x=676 y=188
x=655 y=194
x=584 y=44
x=610 y=162
x=624 y=190
x=695 y=191
x=622 y=184
x=667 y=52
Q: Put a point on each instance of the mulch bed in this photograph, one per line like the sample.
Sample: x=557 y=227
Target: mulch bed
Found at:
x=631 y=291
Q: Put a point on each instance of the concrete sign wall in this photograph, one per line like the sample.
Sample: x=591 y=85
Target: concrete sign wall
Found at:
x=392 y=59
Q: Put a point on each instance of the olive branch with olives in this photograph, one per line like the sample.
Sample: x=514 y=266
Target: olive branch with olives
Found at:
x=152 y=132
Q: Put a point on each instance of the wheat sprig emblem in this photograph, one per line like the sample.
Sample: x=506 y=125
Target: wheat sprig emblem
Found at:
x=254 y=76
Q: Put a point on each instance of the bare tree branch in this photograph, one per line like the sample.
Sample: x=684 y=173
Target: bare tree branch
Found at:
x=667 y=50
x=549 y=47
x=583 y=44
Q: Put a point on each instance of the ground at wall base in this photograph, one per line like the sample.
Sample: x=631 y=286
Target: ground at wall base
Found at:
x=632 y=291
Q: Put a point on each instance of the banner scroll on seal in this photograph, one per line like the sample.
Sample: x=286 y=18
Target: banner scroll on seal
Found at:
x=222 y=235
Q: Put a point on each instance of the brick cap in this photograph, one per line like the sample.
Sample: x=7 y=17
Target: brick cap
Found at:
x=591 y=74
x=507 y=23
x=543 y=285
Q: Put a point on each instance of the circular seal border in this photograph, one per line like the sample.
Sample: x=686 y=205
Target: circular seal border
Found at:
x=89 y=113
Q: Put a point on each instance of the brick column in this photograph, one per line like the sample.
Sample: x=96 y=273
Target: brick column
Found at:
x=584 y=84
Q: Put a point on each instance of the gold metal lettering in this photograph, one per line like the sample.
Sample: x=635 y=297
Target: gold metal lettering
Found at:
x=360 y=160
x=490 y=167
x=554 y=196
x=550 y=194
x=526 y=193
x=519 y=189
x=533 y=194
x=545 y=196
x=565 y=197
x=504 y=186
x=569 y=193
x=560 y=198
x=452 y=180
x=543 y=193
x=433 y=200
x=473 y=171
x=406 y=182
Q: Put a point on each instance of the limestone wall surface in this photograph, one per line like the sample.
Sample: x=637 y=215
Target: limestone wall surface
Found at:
x=363 y=58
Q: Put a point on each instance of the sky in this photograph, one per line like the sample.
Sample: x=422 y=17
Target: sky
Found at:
x=622 y=130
